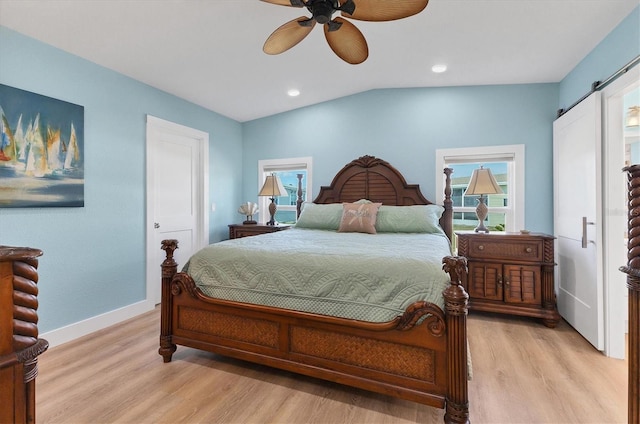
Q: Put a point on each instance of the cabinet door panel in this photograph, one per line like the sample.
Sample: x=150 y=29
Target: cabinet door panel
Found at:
x=485 y=281
x=522 y=284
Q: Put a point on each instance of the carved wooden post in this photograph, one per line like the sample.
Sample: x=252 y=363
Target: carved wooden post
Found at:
x=169 y=269
x=633 y=283
x=456 y=300
x=447 y=220
x=19 y=342
x=299 y=197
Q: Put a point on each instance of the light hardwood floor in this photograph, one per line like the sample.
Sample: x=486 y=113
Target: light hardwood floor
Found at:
x=523 y=372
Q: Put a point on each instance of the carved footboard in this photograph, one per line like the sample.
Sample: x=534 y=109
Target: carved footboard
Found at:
x=420 y=356
x=633 y=283
x=19 y=343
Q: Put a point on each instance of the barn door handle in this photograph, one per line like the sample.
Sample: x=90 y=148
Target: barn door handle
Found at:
x=585 y=242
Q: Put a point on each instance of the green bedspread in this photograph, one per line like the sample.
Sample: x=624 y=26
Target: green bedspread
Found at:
x=358 y=276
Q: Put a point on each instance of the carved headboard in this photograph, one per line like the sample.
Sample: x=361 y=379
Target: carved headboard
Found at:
x=374 y=179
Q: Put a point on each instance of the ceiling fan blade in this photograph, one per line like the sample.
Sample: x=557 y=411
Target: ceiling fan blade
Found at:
x=384 y=10
x=292 y=3
x=288 y=35
x=347 y=41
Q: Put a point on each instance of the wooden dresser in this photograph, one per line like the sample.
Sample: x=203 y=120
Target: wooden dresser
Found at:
x=19 y=343
x=511 y=273
x=241 y=230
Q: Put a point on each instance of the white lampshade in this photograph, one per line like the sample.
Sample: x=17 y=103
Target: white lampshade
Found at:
x=483 y=182
x=272 y=187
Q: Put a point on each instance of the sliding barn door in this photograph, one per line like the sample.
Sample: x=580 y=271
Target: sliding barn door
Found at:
x=577 y=218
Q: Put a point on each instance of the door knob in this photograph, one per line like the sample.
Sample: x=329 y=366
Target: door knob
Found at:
x=156 y=225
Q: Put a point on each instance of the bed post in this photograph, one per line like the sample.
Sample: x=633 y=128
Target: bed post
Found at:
x=456 y=299
x=299 y=198
x=447 y=215
x=169 y=269
x=633 y=283
x=19 y=342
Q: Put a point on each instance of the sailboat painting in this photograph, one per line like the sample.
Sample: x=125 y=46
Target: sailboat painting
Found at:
x=41 y=151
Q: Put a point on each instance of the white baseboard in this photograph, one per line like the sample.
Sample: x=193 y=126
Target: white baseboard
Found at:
x=82 y=328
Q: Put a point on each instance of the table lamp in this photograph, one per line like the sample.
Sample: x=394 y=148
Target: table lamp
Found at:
x=272 y=188
x=482 y=182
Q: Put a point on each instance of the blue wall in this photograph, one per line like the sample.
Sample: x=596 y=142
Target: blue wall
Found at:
x=406 y=126
x=94 y=257
x=617 y=49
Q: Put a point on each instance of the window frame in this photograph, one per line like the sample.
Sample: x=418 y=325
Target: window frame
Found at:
x=267 y=166
x=513 y=154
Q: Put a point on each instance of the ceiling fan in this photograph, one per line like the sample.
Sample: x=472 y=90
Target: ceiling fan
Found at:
x=343 y=37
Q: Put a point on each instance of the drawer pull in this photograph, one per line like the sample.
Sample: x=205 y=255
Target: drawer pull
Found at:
x=499 y=280
x=528 y=250
x=481 y=247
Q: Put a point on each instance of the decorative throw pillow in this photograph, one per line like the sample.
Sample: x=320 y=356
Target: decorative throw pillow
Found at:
x=409 y=219
x=359 y=217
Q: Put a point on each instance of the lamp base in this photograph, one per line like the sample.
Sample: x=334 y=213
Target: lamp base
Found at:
x=481 y=228
x=272 y=212
x=481 y=212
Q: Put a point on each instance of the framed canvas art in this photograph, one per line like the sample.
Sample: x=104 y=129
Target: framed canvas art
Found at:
x=41 y=150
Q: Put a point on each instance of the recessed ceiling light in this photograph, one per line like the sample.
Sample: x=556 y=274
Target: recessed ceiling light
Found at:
x=438 y=69
x=293 y=92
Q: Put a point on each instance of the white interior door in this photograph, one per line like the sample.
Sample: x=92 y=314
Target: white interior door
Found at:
x=177 y=160
x=577 y=218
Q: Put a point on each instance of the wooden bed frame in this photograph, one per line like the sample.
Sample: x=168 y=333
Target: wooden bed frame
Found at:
x=420 y=360
x=633 y=284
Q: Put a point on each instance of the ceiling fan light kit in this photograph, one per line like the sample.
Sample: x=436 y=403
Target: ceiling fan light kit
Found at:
x=346 y=41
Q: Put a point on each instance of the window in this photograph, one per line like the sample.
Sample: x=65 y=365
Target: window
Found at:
x=506 y=211
x=287 y=170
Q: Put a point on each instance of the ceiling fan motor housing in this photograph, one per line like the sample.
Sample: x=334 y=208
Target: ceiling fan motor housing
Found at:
x=322 y=10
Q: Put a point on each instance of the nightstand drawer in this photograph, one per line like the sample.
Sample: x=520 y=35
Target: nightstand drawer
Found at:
x=506 y=249
x=240 y=230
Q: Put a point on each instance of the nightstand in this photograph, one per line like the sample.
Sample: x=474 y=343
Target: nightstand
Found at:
x=511 y=273
x=241 y=230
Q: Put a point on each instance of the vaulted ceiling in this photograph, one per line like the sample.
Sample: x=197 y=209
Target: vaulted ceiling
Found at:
x=209 y=52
